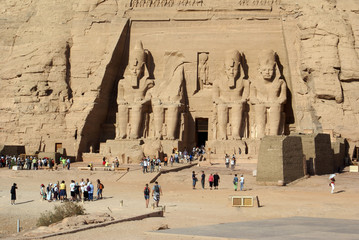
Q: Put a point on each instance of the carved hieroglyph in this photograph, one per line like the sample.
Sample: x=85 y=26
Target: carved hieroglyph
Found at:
x=132 y=95
x=230 y=92
x=203 y=70
x=268 y=95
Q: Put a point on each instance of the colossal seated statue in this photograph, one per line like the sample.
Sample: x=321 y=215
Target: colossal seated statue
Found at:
x=133 y=95
x=230 y=92
x=168 y=97
x=268 y=95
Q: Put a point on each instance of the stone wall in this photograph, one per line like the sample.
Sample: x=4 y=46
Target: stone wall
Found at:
x=280 y=158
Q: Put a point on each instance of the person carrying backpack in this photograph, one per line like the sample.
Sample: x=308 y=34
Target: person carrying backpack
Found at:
x=156 y=192
x=146 y=193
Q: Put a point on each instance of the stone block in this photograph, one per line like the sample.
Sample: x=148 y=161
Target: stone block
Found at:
x=280 y=158
x=318 y=152
x=353 y=168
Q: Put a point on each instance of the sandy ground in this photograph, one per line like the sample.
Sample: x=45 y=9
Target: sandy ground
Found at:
x=185 y=207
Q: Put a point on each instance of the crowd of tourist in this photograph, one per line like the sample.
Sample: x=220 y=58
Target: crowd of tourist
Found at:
x=155 y=164
x=34 y=163
x=83 y=191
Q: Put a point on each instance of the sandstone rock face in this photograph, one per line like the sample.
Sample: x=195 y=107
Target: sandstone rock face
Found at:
x=62 y=62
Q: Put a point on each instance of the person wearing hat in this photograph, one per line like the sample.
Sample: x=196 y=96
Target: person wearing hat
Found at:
x=13 y=193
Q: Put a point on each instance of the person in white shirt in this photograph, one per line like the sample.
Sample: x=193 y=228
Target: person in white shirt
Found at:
x=241 y=180
x=72 y=190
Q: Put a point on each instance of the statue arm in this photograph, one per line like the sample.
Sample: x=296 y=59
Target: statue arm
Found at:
x=215 y=93
x=253 y=94
x=246 y=90
x=283 y=92
x=120 y=94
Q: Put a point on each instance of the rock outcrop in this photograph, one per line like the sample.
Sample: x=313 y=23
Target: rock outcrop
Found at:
x=62 y=60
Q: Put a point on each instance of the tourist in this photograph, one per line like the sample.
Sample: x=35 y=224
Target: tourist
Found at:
x=153 y=165
x=72 y=190
x=332 y=183
x=99 y=189
x=49 y=192
x=210 y=180
x=156 y=192
x=176 y=157
x=77 y=192
x=216 y=180
x=62 y=191
x=235 y=182
x=144 y=165
x=226 y=158
x=63 y=160
x=13 y=194
x=56 y=192
x=68 y=162
x=146 y=192
x=241 y=180
x=194 y=180
x=42 y=192
x=165 y=160
x=203 y=179
x=90 y=189
x=83 y=190
x=158 y=164
x=117 y=162
x=233 y=162
x=171 y=160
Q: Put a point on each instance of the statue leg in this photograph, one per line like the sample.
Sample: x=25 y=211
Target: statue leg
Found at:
x=274 y=119
x=260 y=111
x=158 y=120
x=172 y=120
x=136 y=119
x=222 y=113
x=122 y=120
x=236 y=121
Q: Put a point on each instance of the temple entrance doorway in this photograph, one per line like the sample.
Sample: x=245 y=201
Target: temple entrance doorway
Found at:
x=201 y=131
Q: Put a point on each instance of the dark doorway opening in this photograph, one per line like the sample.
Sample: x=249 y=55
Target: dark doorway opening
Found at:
x=201 y=131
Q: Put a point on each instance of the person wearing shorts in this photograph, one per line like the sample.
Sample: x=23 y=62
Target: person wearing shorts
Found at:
x=156 y=192
x=146 y=193
x=62 y=191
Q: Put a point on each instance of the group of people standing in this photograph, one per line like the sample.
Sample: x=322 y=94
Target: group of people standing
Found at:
x=82 y=191
x=213 y=180
x=230 y=160
x=153 y=165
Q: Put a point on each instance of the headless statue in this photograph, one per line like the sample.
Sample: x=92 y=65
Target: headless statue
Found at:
x=230 y=91
x=132 y=94
x=268 y=94
x=169 y=95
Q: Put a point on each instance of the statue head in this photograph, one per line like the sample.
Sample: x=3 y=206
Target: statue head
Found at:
x=267 y=64
x=231 y=65
x=203 y=57
x=137 y=63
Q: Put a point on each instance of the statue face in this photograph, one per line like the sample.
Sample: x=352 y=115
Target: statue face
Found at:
x=231 y=69
x=267 y=71
x=136 y=68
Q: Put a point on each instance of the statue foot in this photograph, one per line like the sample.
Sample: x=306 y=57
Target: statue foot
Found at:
x=133 y=137
x=121 y=137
